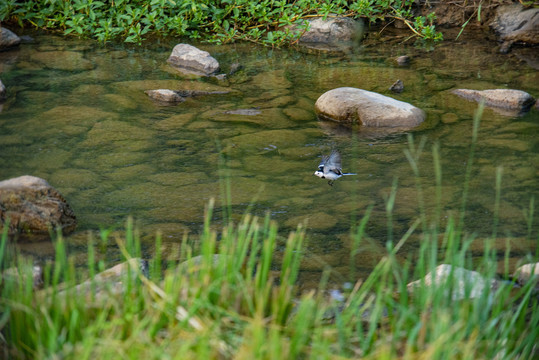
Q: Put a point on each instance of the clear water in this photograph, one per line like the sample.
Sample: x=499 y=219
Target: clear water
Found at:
x=77 y=116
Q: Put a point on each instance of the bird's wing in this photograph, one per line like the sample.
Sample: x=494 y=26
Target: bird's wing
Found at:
x=324 y=160
x=323 y=163
x=333 y=163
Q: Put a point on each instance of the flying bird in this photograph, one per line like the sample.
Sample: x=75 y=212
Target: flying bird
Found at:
x=330 y=167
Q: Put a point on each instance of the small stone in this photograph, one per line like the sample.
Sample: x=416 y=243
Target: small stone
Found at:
x=526 y=272
x=165 y=96
x=2 y=91
x=234 y=68
x=403 y=60
x=245 y=112
x=187 y=58
x=220 y=77
x=397 y=87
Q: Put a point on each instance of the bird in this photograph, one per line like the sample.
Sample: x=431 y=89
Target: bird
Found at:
x=330 y=167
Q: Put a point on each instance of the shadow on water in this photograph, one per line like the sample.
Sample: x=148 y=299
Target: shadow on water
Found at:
x=78 y=117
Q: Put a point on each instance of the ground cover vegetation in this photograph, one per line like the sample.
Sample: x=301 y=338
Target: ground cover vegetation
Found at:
x=218 y=21
x=234 y=296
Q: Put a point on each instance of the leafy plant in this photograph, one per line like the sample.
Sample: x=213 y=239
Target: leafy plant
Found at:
x=218 y=21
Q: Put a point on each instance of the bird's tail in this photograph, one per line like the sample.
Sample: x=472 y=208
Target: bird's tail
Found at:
x=349 y=174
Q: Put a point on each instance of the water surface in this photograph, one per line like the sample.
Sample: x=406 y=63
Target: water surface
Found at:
x=78 y=117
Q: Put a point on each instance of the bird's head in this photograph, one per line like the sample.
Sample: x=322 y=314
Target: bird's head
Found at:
x=320 y=174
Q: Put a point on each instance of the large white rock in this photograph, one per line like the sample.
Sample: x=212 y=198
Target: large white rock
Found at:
x=370 y=109
x=187 y=58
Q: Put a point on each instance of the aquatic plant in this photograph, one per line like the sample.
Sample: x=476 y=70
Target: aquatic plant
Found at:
x=219 y=21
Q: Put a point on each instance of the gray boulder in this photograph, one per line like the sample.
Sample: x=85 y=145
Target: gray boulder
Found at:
x=370 y=109
x=516 y=24
x=189 y=59
x=517 y=100
x=32 y=207
x=8 y=39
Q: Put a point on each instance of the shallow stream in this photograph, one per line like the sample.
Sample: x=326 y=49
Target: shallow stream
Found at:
x=77 y=116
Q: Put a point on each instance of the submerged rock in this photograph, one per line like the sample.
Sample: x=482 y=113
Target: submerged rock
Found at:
x=8 y=39
x=33 y=207
x=510 y=99
x=370 y=109
x=177 y=96
x=403 y=60
x=165 y=95
x=62 y=60
x=516 y=24
x=244 y=112
x=187 y=58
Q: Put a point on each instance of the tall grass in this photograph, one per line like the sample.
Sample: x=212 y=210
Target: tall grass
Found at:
x=234 y=296
x=229 y=302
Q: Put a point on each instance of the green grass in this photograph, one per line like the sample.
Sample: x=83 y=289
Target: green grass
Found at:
x=234 y=295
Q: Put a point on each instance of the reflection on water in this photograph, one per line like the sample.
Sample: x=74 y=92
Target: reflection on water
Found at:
x=78 y=117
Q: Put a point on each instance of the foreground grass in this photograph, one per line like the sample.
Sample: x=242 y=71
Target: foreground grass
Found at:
x=230 y=303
